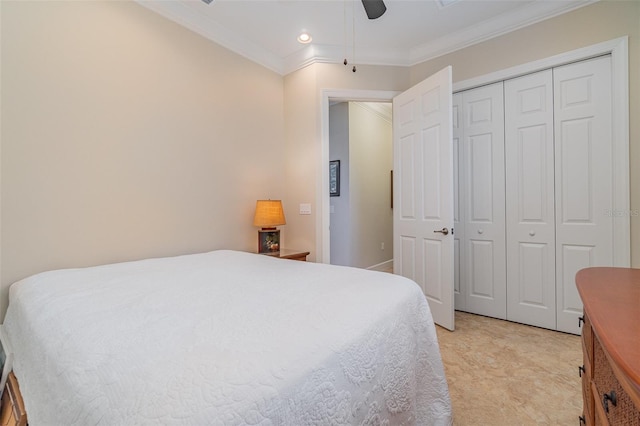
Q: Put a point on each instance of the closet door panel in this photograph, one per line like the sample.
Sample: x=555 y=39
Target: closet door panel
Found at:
x=529 y=151
x=484 y=260
x=459 y=174
x=481 y=277
x=533 y=273
x=481 y=189
x=584 y=178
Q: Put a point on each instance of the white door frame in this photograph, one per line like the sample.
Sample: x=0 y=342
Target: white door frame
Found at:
x=323 y=220
x=619 y=51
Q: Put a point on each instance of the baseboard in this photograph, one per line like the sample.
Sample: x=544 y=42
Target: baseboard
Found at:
x=383 y=267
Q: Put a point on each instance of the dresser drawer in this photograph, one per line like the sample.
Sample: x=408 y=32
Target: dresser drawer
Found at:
x=617 y=406
x=587 y=336
x=587 y=397
x=600 y=418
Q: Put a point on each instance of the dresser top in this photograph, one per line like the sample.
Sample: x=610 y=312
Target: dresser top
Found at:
x=611 y=298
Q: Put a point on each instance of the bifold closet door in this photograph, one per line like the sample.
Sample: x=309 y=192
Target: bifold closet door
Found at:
x=530 y=203
x=535 y=185
x=584 y=178
x=482 y=250
x=458 y=202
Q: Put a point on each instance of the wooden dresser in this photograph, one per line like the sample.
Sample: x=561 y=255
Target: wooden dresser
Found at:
x=610 y=345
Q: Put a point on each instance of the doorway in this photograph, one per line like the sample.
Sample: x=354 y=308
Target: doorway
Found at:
x=328 y=98
x=361 y=160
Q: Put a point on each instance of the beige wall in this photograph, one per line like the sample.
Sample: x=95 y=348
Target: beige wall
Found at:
x=301 y=154
x=371 y=160
x=126 y=136
x=601 y=21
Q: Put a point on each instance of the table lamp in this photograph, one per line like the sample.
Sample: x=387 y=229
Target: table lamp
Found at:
x=269 y=214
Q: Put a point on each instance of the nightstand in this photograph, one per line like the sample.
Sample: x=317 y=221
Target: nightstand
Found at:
x=291 y=254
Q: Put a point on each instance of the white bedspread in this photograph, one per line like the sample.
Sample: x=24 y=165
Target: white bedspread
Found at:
x=225 y=338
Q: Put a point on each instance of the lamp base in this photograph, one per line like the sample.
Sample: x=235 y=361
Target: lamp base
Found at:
x=269 y=241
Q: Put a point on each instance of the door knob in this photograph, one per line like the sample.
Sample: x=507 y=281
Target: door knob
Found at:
x=444 y=231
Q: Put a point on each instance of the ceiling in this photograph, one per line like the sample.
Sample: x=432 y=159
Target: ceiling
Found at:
x=410 y=32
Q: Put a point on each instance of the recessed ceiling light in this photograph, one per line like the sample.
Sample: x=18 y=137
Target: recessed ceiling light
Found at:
x=304 y=38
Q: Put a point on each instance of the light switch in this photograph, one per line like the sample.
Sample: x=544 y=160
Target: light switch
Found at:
x=305 y=208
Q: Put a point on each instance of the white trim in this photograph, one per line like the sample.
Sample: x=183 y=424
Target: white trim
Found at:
x=323 y=242
x=621 y=177
x=186 y=14
x=496 y=27
x=382 y=267
x=592 y=51
x=378 y=109
x=619 y=51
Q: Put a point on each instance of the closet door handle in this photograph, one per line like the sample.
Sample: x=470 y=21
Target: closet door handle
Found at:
x=444 y=231
x=532 y=232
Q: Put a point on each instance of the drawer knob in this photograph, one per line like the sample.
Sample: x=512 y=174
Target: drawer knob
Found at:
x=581 y=370
x=609 y=397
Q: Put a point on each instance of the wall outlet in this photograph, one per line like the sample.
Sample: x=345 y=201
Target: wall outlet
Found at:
x=305 y=208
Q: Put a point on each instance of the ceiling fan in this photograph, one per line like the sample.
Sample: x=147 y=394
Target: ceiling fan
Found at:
x=373 y=8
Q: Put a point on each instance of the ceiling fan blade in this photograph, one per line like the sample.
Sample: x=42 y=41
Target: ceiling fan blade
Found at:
x=374 y=8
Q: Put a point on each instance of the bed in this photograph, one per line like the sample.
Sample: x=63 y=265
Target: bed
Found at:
x=225 y=338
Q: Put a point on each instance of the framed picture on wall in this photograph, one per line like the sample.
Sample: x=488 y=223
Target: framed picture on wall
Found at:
x=334 y=178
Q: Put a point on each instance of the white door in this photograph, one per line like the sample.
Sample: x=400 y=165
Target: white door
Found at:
x=584 y=178
x=483 y=255
x=459 y=176
x=423 y=187
x=529 y=168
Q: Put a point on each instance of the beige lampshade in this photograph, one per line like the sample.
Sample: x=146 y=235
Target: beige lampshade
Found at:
x=269 y=213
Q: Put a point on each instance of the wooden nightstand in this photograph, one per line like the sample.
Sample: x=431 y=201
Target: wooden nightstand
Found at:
x=291 y=254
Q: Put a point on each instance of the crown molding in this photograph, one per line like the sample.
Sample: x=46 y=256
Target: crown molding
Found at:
x=380 y=109
x=186 y=15
x=498 y=26
x=183 y=14
x=318 y=53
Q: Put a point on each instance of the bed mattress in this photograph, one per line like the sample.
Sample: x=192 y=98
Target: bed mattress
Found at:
x=225 y=338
